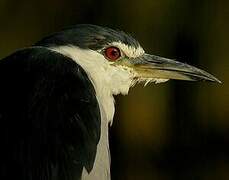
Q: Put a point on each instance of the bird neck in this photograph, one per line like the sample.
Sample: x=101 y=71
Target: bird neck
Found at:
x=97 y=70
x=107 y=80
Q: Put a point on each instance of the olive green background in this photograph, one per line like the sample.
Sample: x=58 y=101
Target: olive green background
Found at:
x=176 y=130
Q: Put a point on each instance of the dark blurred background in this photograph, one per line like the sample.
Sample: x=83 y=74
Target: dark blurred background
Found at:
x=177 y=130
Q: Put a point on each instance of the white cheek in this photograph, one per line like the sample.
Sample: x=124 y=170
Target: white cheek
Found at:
x=122 y=80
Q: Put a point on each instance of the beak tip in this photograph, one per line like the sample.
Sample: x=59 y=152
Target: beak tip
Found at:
x=218 y=81
x=214 y=80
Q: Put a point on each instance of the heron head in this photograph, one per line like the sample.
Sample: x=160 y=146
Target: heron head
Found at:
x=117 y=60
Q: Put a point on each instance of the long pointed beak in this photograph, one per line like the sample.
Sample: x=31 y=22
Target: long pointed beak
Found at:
x=150 y=66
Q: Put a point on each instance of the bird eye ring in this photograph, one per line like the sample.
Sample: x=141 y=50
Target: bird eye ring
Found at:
x=112 y=53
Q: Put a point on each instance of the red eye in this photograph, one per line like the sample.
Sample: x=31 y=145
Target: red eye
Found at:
x=112 y=53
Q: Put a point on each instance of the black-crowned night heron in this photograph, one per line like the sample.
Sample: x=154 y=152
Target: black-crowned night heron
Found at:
x=56 y=101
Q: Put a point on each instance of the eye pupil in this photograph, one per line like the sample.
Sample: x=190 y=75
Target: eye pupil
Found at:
x=112 y=53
